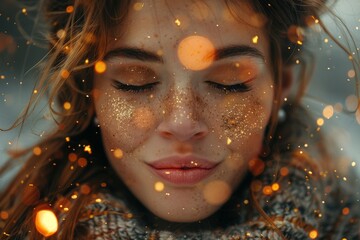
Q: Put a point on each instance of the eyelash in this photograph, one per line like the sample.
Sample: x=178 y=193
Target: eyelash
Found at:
x=133 y=88
x=241 y=87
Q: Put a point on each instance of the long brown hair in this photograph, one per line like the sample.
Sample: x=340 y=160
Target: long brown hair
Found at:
x=72 y=157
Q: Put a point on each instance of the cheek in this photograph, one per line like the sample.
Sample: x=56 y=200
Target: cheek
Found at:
x=124 y=124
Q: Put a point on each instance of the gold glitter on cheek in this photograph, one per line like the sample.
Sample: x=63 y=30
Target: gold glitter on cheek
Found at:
x=143 y=118
x=242 y=117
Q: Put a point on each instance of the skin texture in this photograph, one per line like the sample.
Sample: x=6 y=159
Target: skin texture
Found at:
x=184 y=113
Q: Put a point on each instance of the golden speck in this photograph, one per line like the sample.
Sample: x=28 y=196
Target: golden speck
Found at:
x=228 y=141
x=159 y=186
x=69 y=9
x=297 y=61
x=66 y=209
x=2 y=77
x=344 y=178
x=326 y=40
x=98 y=200
x=246 y=202
x=64 y=73
x=177 y=22
x=87 y=149
x=313 y=234
x=87 y=61
x=255 y=39
x=138 y=6
x=118 y=153
x=267 y=190
x=353 y=164
x=320 y=121
x=67 y=105
x=35 y=91
x=24 y=10
x=345 y=211
x=74 y=196
x=37 y=151
x=100 y=67
x=275 y=187
x=67 y=139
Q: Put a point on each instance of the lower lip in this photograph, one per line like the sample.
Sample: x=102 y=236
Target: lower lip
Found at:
x=183 y=177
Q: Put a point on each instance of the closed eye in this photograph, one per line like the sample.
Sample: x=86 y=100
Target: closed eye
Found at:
x=240 y=87
x=133 y=88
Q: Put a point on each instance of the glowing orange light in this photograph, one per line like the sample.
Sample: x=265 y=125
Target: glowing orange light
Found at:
x=118 y=153
x=159 y=186
x=87 y=61
x=255 y=39
x=82 y=162
x=46 y=222
x=196 y=52
x=87 y=148
x=69 y=9
x=345 y=211
x=72 y=157
x=2 y=77
x=100 y=67
x=320 y=122
x=67 y=139
x=275 y=187
x=216 y=192
x=35 y=91
x=37 y=151
x=23 y=10
x=328 y=111
x=85 y=189
x=256 y=166
x=64 y=73
x=4 y=215
x=67 y=105
x=313 y=234
x=267 y=190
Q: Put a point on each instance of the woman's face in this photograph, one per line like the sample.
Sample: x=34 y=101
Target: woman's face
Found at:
x=184 y=103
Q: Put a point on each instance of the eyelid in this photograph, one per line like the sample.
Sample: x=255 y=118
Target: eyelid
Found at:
x=133 y=88
x=238 y=87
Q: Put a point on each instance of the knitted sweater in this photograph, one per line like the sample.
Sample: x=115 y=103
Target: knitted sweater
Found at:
x=296 y=202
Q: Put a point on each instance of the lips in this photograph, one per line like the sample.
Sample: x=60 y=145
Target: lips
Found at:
x=183 y=170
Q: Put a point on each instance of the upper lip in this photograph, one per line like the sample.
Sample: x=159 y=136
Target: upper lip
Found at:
x=182 y=162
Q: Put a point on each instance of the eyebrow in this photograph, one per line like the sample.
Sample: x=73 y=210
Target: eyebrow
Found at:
x=221 y=53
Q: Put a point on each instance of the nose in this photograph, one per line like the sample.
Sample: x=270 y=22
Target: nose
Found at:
x=181 y=120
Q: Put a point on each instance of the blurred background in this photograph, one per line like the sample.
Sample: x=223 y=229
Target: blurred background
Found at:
x=330 y=96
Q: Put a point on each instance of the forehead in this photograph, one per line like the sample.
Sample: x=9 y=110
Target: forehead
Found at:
x=165 y=22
